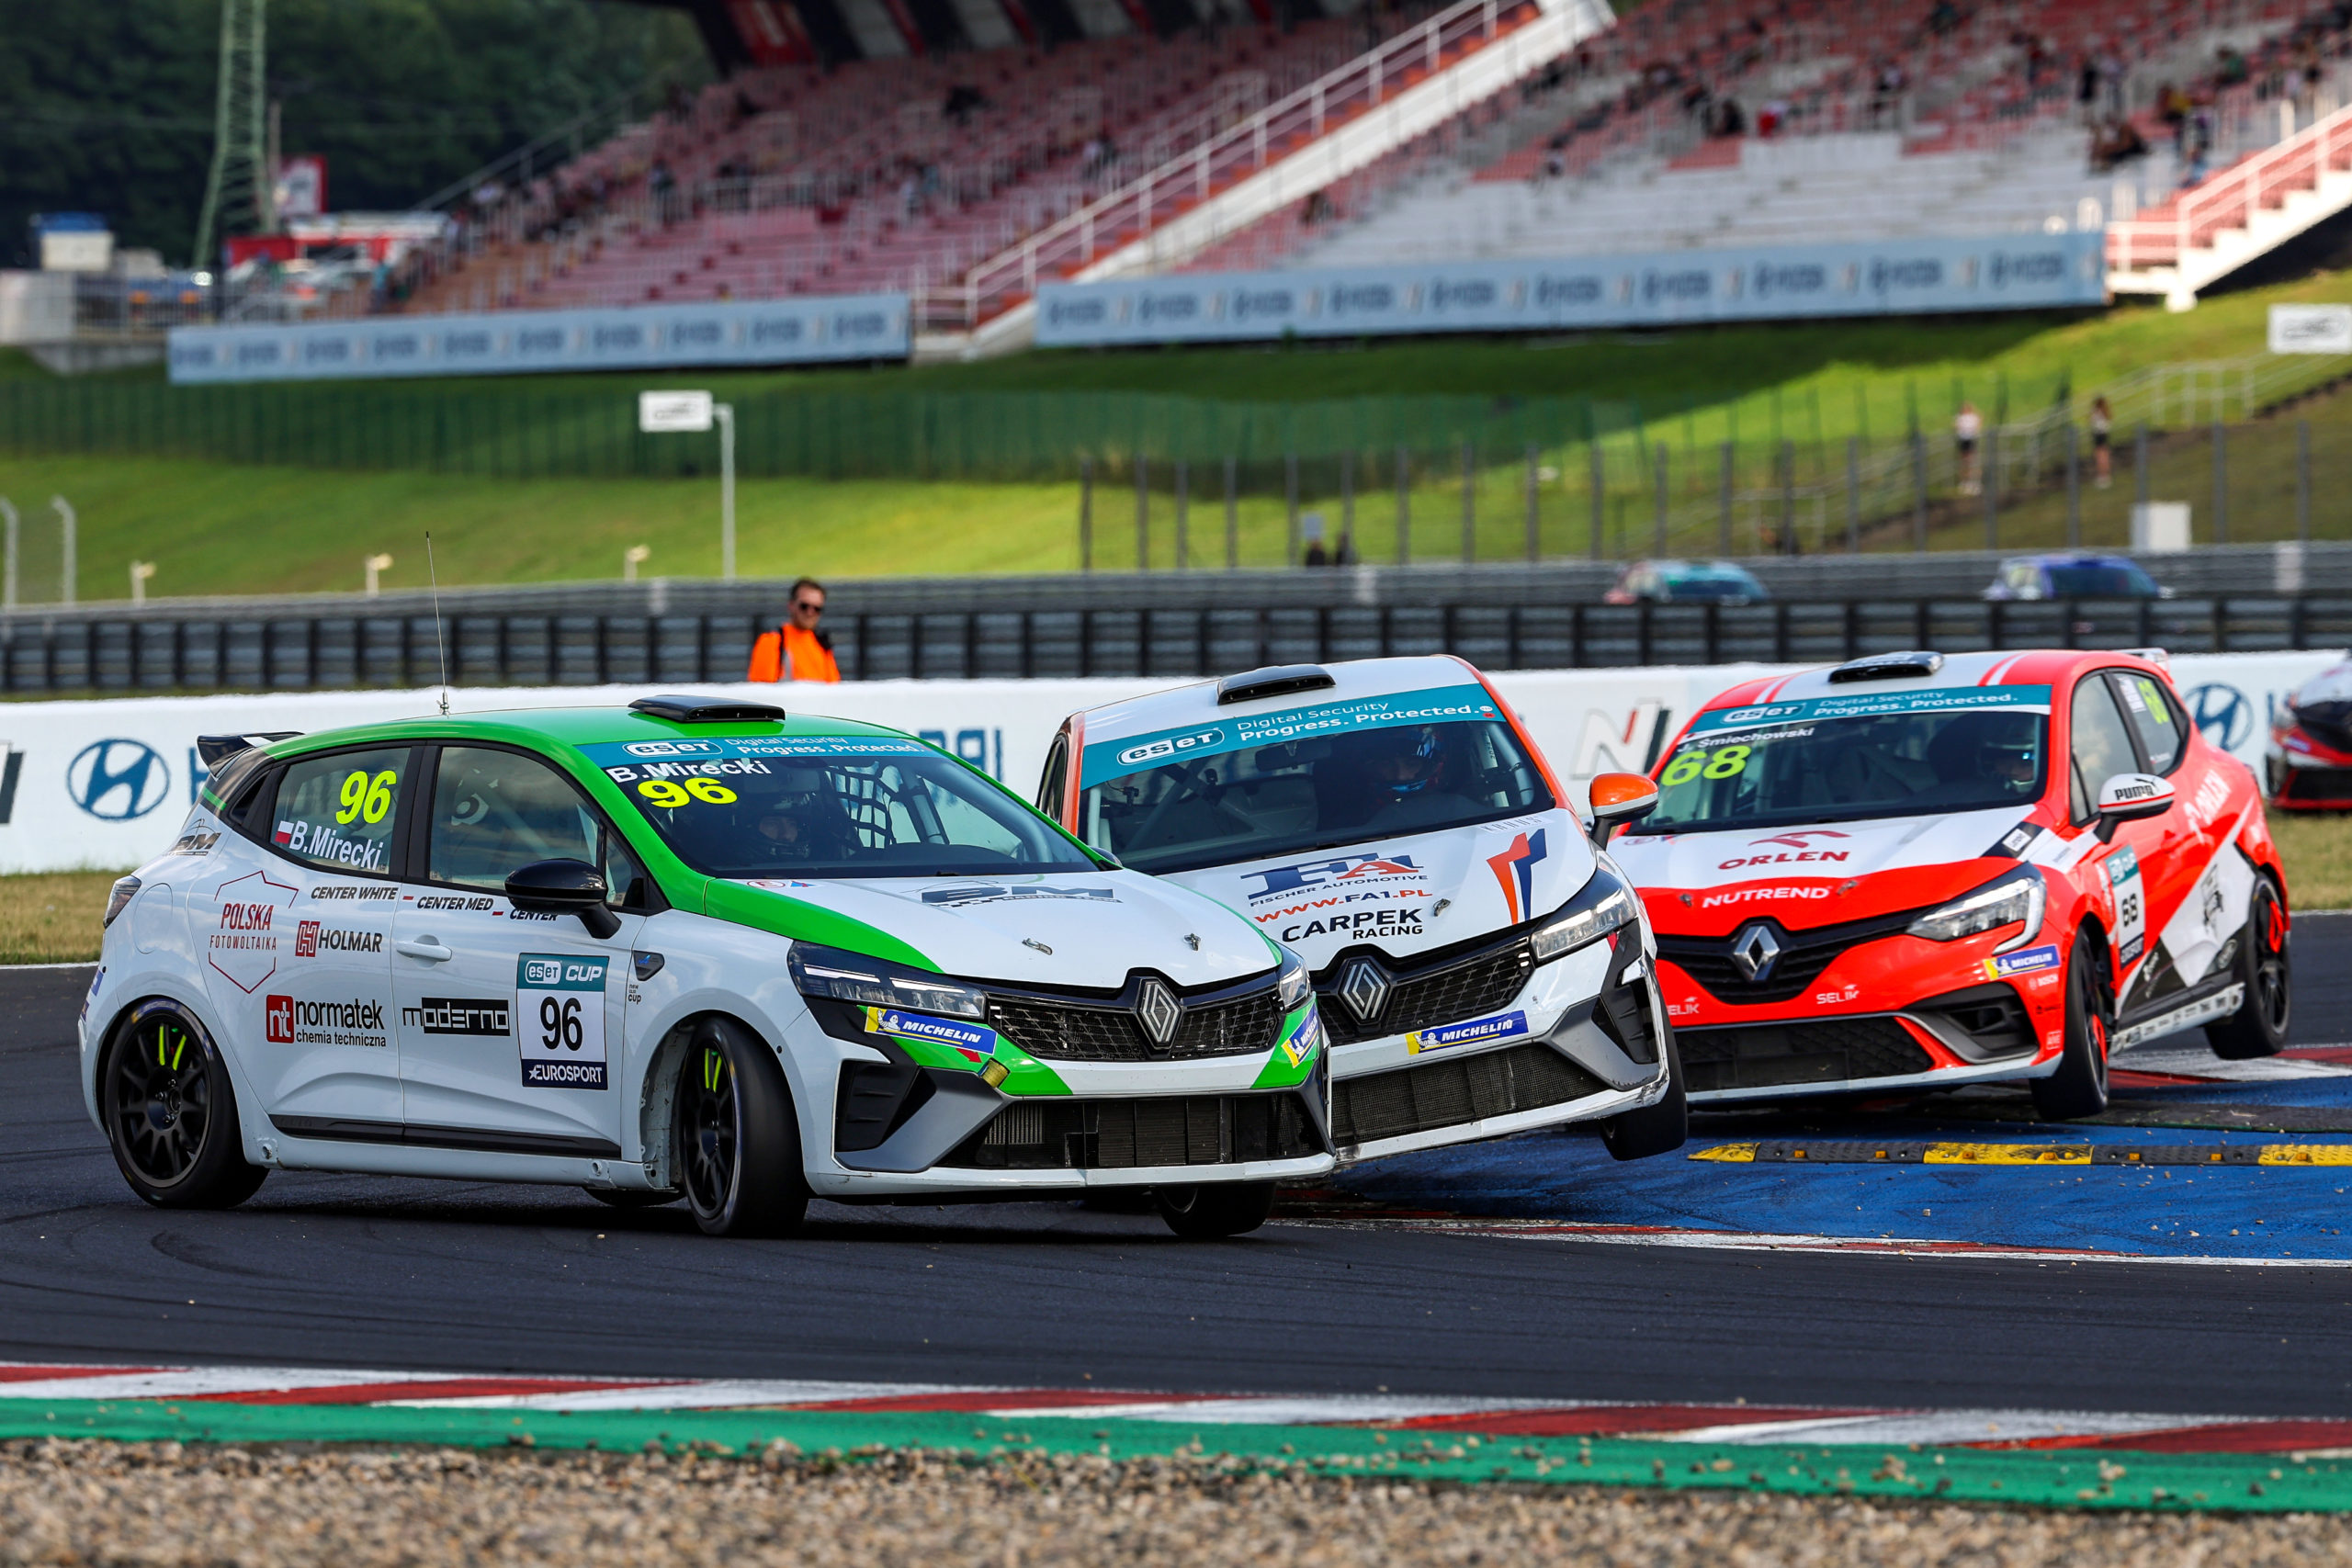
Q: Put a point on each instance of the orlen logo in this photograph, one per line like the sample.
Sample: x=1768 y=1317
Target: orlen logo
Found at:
x=246 y=916
x=543 y=971
x=1796 y=850
x=1171 y=746
x=675 y=748
x=278 y=1019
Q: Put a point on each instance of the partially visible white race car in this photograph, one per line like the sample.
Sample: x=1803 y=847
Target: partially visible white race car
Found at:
x=1482 y=970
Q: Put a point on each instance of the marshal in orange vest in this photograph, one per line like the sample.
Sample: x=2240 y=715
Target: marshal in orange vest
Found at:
x=793 y=653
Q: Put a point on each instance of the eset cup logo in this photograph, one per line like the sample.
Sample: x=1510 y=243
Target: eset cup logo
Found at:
x=1514 y=869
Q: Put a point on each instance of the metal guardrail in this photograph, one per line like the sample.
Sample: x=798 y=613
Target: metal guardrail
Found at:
x=246 y=653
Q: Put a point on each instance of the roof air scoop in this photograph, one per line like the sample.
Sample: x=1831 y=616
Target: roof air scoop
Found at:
x=1917 y=664
x=705 y=710
x=1273 y=680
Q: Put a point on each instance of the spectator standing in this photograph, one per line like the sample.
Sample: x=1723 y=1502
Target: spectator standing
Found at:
x=1967 y=428
x=797 y=650
x=2102 y=435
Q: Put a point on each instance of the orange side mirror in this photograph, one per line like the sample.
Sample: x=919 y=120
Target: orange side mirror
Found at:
x=1620 y=797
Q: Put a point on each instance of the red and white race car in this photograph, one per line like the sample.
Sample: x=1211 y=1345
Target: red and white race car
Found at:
x=1910 y=871
x=2309 y=760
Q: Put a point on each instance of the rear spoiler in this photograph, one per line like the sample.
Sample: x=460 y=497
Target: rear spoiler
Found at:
x=214 y=750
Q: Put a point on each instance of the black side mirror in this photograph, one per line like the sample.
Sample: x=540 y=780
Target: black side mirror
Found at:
x=564 y=887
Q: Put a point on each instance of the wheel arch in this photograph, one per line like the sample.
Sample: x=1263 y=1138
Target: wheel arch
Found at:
x=656 y=1103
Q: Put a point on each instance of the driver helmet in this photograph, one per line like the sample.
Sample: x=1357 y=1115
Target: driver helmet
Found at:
x=1405 y=759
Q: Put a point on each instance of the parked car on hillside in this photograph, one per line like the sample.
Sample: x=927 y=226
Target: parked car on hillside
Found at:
x=2074 y=576
x=1686 y=582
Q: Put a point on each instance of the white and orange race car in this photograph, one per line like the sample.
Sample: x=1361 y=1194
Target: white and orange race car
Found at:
x=1910 y=871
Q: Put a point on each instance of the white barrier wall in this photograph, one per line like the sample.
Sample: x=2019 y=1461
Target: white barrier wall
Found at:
x=107 y=783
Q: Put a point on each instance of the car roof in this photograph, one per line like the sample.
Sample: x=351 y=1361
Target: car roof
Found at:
x=1350 y=680
x=2039 y=667
x=2071 y=557
x=569 y=727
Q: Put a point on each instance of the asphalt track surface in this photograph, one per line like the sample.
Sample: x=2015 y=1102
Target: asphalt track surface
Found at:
x=402 y=1275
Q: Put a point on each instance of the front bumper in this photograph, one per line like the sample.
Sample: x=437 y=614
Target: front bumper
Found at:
x=1591 y=1046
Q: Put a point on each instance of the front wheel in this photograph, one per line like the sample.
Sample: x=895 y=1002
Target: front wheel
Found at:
x=2079 y=1086
x=2259 y=1026
x=739 y=1146
x=171 y=1117
x=1215 y=1209
x=1654 y=1129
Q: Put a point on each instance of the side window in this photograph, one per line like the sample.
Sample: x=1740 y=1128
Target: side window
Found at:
x=341 y=812
x=1049 y=789
x=2102 y=747
x=495 y=812
x=2153 y=717
x=625 y=884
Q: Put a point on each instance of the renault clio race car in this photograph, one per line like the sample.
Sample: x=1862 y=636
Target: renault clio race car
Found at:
x=2308 y=761
x=690 y=950
x=1481 y=970
x=1910 y=871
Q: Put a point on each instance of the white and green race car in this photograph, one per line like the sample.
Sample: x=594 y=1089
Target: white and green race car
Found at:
x=689 y=950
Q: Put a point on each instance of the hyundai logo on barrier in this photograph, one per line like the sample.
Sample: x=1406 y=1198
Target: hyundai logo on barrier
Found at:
x=116 y=781
x=2222 y=713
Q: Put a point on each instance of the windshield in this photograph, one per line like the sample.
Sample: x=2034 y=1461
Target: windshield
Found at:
x=1714 y=586
x=848 y=806
x=2121 y=580
x=1293 y=795
x=1822 y=770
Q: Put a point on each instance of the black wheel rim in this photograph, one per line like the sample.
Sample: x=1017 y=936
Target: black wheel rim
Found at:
x=162 y=1101
x=709 y=1129
x=2270 y=992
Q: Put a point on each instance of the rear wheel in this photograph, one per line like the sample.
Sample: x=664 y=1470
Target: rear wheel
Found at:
x=171 y=1117
x=738 y=1147
x=1215 y=1209
x=1655 y=1129
x=2079 y=1086
x=2259 y=1026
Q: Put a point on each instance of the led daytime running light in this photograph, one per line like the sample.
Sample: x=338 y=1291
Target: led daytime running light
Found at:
x=865 y=981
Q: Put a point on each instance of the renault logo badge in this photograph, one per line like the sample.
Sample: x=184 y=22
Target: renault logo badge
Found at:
x=1160 y=1011
x=1754 y=951
x=1364 y=985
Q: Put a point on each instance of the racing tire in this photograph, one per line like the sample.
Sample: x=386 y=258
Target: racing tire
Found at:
x=1654 y=1129
x=738 y=1143
x=2259 y=1026
x=1213 y=1210
x=2079 y=1086
x=629 y=1197
x=171 y=1113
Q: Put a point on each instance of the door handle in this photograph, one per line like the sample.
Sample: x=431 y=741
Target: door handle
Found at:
x=425 y=947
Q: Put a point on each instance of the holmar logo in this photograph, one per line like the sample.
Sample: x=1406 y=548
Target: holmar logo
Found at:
x=116 y=781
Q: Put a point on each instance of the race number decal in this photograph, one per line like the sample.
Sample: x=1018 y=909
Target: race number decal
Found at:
x=560 y=1019
x=2131 y=905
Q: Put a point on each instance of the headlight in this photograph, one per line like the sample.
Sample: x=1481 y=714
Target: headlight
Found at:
x=1294 y=984
x=119 y=899
x=2009 y=900
x=1600 y=905
x=869 y=982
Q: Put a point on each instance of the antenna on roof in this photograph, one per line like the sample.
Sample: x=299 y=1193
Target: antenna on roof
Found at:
x=439 y=647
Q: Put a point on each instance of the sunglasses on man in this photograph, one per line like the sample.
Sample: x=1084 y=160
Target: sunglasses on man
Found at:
x=814 y=606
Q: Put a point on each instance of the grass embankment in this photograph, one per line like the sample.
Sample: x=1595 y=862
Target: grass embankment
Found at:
x=215 y=527
x=54 y=917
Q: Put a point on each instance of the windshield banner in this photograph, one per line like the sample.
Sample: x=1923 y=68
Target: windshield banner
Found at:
x=656 y=759
x=1444 y=704
x=1876 y=705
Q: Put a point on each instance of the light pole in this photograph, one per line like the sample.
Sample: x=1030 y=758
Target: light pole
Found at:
x=726 y=412
x=376 y=566
x=633 y=557
x=65 y=516
x=141 y=570
x=8 y=590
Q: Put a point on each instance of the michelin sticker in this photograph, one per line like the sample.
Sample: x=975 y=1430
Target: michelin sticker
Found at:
x=2032 y=961
x=560 y=1007
x=1477 y=1031
x=974 y=1044
x=1302 y=1042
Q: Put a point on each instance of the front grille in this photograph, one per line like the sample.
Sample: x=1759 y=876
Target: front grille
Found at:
x=1444 y=992
x=1762 y=1056
x=1073 y=1032
x=1804 y=955
x=2318 y=783
x=1446 y=1094
x=1124 y=1134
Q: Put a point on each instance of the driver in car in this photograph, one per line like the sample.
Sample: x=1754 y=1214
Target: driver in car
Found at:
x=800 y=823
x=1390 y=779
x=1977 y=750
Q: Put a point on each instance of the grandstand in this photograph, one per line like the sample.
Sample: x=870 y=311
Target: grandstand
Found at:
x=964 y=175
